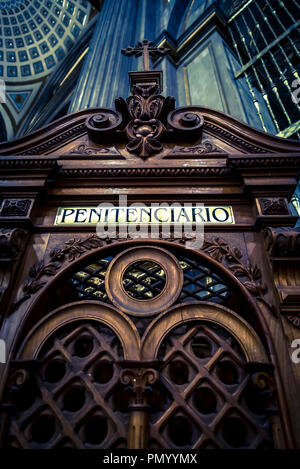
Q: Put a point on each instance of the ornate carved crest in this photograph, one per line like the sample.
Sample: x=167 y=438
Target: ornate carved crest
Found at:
x=146 y=118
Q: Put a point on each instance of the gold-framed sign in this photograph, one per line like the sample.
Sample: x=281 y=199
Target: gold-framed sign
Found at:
x=146 y=215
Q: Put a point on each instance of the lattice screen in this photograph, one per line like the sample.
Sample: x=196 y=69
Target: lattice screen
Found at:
x=71 y=400
x=206 y=398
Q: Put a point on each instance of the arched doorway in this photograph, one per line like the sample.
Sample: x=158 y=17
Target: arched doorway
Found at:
x=159 y=346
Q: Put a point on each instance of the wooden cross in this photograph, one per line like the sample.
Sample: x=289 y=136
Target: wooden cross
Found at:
x=146 y=49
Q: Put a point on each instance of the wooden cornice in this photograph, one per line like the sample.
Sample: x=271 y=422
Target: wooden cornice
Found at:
x=238 y=135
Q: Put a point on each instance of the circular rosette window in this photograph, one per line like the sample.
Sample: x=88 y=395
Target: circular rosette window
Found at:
x=143 y=281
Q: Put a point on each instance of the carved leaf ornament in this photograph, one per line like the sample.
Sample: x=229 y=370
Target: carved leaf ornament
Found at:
x=218 y=249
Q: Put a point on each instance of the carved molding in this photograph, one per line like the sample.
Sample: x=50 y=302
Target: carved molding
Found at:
x=15 y=163
x=131 y=305
x=283 y=248
x=233 y=139
x=145 y=172
x=205 y=148
x=71 y=250
x=282 y=242
x=53 y=142
x=84 y=149
x=270 y=161
x=219 y=249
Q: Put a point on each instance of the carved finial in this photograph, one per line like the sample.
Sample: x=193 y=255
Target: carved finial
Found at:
x=146 y=49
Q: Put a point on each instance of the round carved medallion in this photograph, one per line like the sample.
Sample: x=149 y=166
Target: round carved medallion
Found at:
x=143 y=281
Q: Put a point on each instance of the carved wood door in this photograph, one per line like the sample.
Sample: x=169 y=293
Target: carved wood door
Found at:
x=143 y=347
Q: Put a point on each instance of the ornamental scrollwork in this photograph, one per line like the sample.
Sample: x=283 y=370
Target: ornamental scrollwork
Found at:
x=218 y=249
x=145 y=119
x=72 y=249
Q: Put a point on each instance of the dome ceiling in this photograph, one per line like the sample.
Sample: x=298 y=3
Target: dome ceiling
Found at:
x=35 y=35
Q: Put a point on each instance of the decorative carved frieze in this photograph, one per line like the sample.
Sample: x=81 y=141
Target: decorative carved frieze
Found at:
x=29 y=163
x=53 y=142
x=15 y=207
x=202 y=149
x=274 y=206
x=71 y=250
x=270 y=161
x=218 y=249
x=233 y=139
x=145 y=172
x=283 y=242
x=84 y=149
